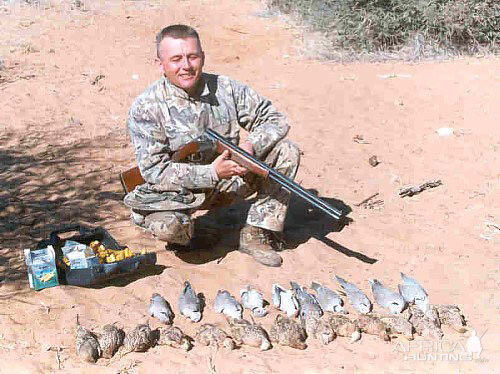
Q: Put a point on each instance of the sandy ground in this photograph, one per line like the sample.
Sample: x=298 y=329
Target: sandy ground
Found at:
x=63 y=141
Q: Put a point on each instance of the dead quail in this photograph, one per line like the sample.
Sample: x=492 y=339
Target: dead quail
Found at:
x=372 y=325
x=110 y=340
x=343 y=326
x=140 y=339
x=425 y=326
x=173 y=337
x=285 y=331
x=87 y=346
x=397 y=324
x=212 y=335
x=318 y=328
x=247 y=333
x=452 y=316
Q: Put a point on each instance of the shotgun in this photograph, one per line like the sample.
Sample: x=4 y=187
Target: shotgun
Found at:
x=211 y=139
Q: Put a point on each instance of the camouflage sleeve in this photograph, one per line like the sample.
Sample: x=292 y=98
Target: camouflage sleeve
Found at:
x=257 y=115
x=152 y=152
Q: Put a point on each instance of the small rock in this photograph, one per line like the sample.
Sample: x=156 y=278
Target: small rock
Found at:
x=445 y=131
x=373 y=161
x=74 y=122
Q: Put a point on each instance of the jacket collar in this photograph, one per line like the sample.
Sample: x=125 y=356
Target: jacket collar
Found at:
x=206 y=91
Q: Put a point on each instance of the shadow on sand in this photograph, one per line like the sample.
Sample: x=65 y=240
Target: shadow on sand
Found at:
x=303 y=222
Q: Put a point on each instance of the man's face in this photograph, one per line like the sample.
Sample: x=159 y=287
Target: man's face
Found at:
x=181 y=60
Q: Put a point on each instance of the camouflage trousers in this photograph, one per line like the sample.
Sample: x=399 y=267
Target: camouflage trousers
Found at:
x=268 y=211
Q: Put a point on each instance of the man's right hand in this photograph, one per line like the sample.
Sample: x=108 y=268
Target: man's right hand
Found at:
x=226 y=168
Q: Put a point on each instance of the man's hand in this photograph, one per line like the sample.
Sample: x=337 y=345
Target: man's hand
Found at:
x=226 y=168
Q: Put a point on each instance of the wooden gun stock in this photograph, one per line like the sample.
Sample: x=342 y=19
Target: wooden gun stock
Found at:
x=131 y=178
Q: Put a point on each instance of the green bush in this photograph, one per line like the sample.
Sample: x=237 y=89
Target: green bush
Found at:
x=444 y=26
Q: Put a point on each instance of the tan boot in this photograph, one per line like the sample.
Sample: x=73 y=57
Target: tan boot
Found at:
x=256 y=242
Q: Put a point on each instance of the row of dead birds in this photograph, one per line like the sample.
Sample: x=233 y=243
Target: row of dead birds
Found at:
x=321 y=315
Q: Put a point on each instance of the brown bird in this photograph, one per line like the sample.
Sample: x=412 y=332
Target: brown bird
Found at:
x=343 y=326
x=372 y=325
x=452 y=316
x=247 y=333
x=397 y=324
x=425 y=325
x=140 y=339
x=173 y=337
x=110 y=340
x=285 y=331
x=318 y=328
x=212 y=335
x=87 y=346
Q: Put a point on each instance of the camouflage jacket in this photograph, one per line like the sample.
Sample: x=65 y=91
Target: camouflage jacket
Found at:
x=164 y=118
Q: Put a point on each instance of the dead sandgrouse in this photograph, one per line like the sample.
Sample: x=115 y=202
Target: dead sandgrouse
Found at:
x=172 y=336
x=140 y=339
x=343 y=326
x=285 y=331
x=87 y=345
x=247 y=333
x=110 y=339
x=211 y=335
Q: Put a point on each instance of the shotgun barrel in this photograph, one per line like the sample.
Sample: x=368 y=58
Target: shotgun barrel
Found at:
x=286 y=182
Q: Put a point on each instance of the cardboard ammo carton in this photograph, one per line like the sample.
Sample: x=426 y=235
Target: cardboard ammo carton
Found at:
x=42 y=271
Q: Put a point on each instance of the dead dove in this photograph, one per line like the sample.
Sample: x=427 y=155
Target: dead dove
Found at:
x=356 y=297
x=329 y=300
x=252 y=299
x=308 y=303
x=414 y=293
x=190 y=305
x=160 y=308
x=387 y=298
x=87 y=345
x=227 y=304
x=285 y=301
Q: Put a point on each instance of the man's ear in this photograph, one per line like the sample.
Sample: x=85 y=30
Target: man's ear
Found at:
x=160 y=65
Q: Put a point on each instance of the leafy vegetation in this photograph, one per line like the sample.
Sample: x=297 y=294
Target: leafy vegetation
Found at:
x=420 y=27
